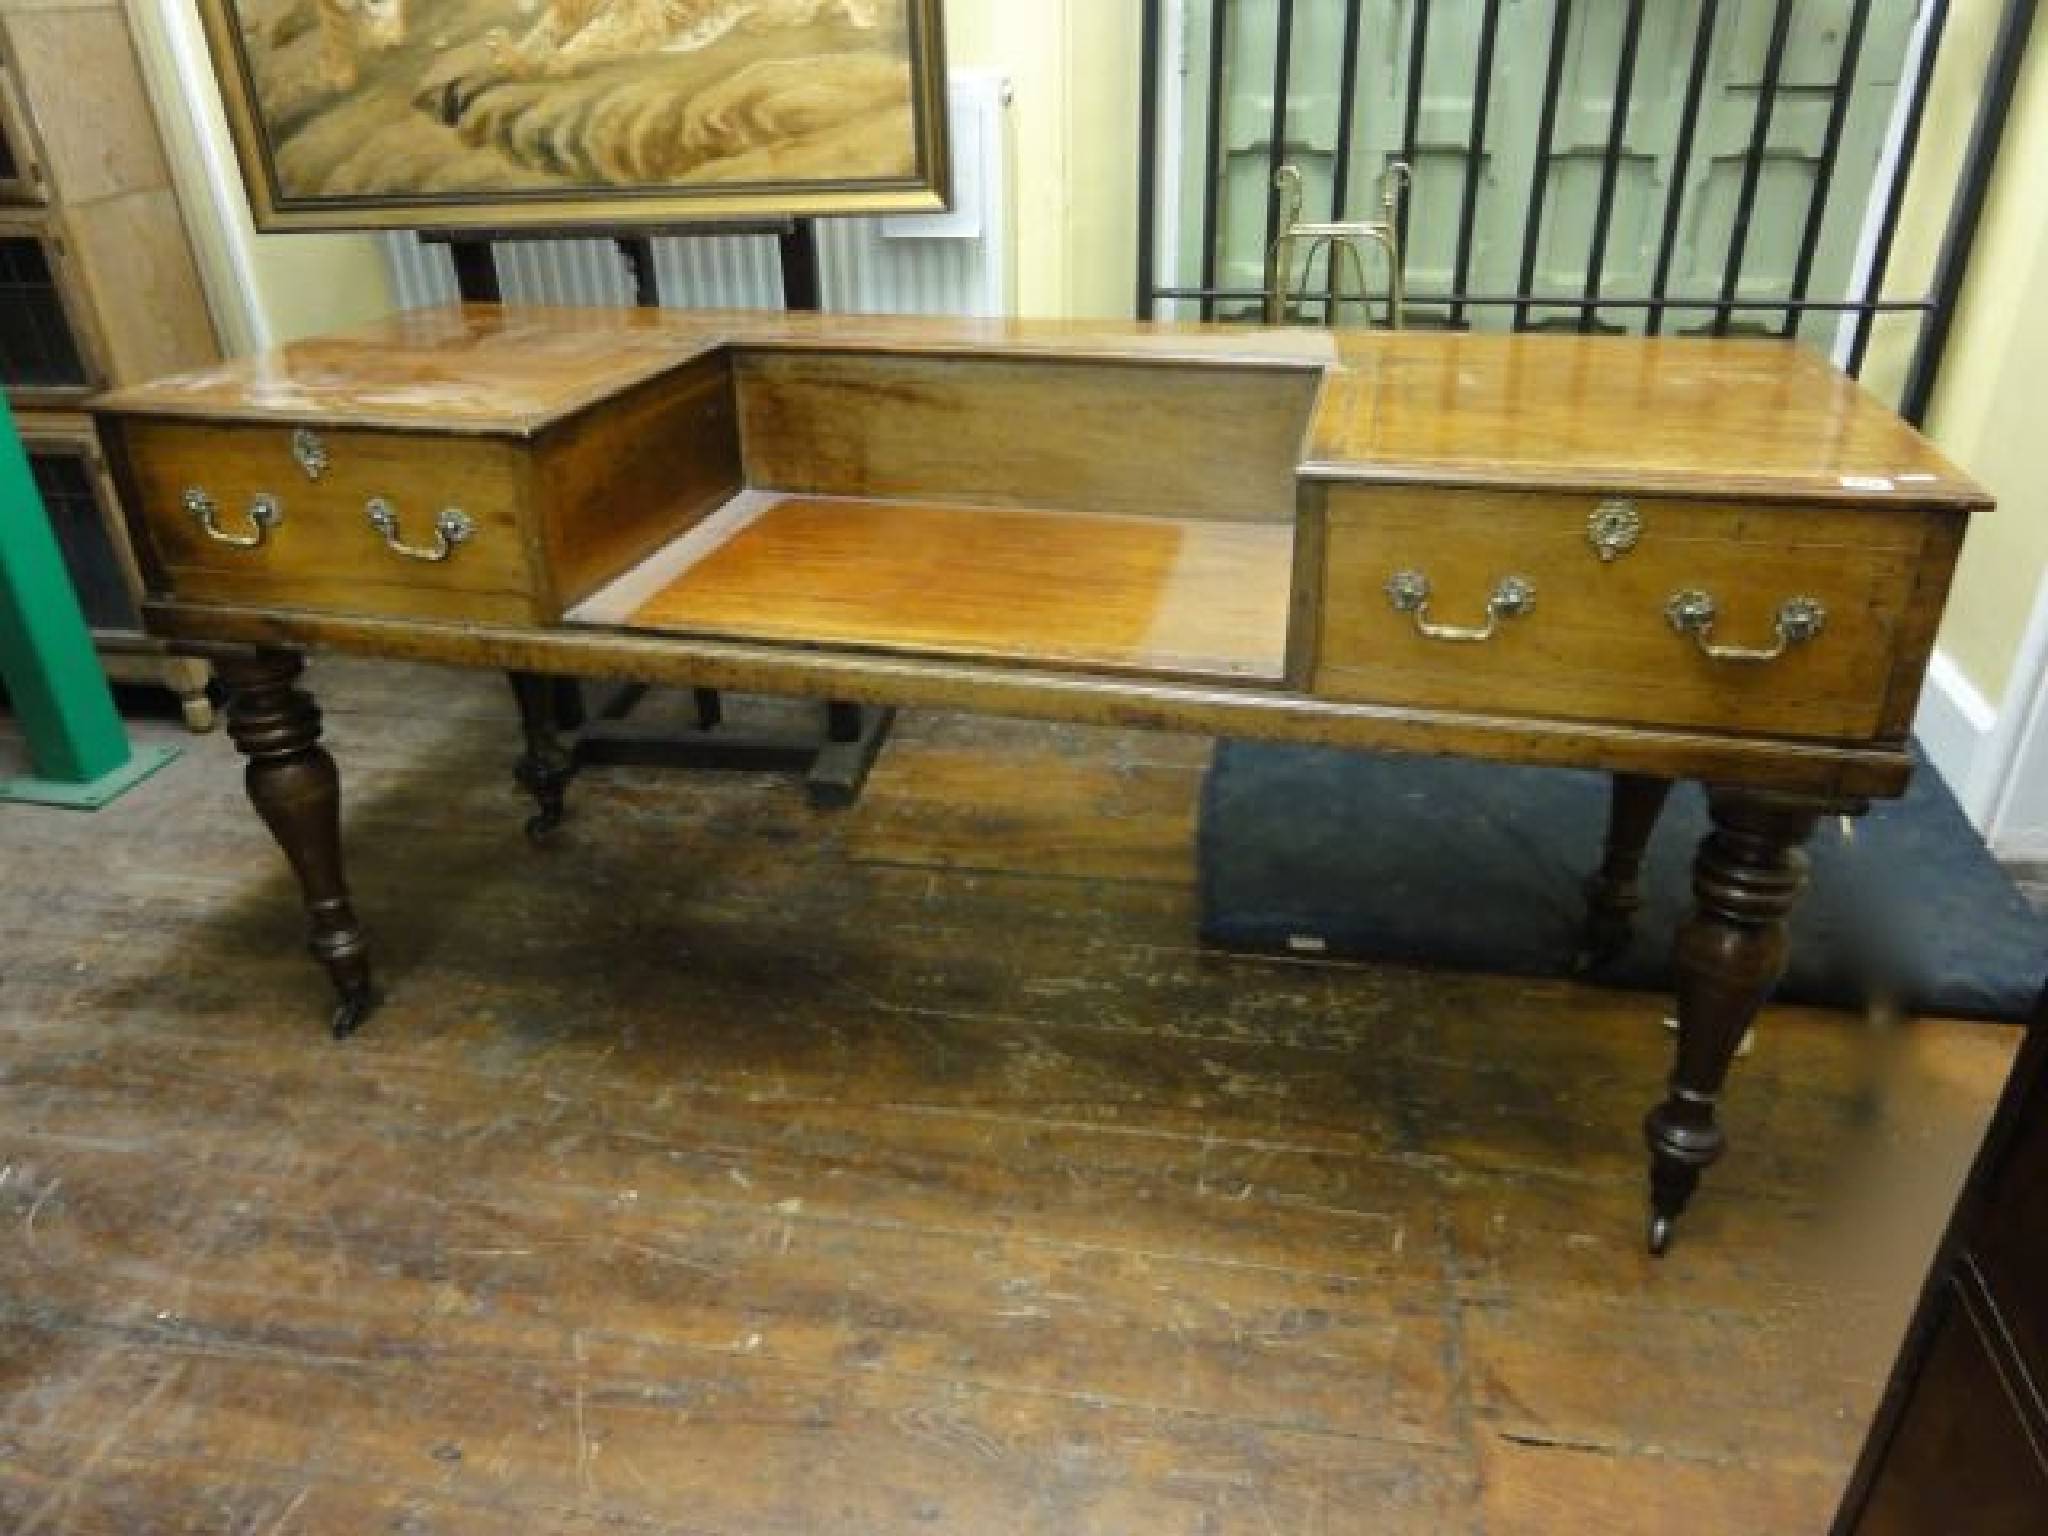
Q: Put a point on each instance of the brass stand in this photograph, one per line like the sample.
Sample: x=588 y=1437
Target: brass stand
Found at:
x=1341 y=245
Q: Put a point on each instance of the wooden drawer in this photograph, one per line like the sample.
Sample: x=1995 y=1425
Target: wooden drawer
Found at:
x=324 y=552
x=1596 y=642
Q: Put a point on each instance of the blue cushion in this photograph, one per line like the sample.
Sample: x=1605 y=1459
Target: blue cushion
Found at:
x=1479 y=866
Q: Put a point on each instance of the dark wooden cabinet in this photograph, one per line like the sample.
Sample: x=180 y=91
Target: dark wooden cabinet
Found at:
x=1960 y=1446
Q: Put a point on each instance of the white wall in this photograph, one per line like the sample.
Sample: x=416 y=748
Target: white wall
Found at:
x=1983 y=715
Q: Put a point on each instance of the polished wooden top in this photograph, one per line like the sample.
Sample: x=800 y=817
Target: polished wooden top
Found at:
x=1759 y=418
x=487 y=368
x=1766 y=418
x=474 y=369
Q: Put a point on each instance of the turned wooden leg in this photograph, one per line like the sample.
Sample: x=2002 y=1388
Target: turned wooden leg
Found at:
x=295 y=788
x=546 y=767
x=1730 y=954
x=1613 y=894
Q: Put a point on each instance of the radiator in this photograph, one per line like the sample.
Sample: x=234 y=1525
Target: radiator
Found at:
x=954 y=263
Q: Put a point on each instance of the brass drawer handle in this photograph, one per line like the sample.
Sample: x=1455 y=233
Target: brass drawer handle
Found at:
x=1693 y=612
x=1408 y=591
x=265 y=513
x=452 y=527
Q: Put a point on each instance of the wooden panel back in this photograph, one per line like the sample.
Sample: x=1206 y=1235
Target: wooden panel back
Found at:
x=143 y=284
x=75 y=72
x=1146 y=439
x=26 y=181
x=1597 y=645
x=619 y=481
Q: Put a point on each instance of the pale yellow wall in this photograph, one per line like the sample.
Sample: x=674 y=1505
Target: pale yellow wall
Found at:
x=274 y=287
x=1103 y=69
x=315 y=283
x=1073 y=71
x=1990 y=410
x=1937 y=163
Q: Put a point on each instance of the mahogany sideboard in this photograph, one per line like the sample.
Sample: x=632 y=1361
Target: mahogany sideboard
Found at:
x=1960 y=1443
x=1716 y=560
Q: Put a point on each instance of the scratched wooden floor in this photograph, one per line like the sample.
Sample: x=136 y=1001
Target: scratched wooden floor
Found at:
x=732 y=1168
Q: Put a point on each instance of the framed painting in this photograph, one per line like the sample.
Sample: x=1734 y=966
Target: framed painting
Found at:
x=509 y=114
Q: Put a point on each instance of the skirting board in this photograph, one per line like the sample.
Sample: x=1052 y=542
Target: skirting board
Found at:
x=2025 y=842
x=2019 y=822
x=1994 y=761
x=2019 y=803
x=1957 y=726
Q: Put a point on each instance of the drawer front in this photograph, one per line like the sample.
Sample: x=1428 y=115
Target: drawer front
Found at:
x=447 y=540
x=1575 y=635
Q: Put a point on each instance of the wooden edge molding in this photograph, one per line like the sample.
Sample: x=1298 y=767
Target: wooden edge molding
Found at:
x=1820 y=768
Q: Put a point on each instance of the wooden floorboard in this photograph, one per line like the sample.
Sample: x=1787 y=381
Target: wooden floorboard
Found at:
x=732 y=1167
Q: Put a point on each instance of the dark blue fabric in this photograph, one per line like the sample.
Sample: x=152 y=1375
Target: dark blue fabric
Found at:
x=1477 y=866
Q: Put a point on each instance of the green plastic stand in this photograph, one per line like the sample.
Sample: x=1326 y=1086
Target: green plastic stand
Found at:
x=77 y=748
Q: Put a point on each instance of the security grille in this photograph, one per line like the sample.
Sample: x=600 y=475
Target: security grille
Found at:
x=1707 y=167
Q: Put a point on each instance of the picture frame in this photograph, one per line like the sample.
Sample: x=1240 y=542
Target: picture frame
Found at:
x=561 y=114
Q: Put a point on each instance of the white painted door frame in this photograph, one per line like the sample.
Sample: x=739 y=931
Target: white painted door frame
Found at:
x=175 y=63
x=2016 y=823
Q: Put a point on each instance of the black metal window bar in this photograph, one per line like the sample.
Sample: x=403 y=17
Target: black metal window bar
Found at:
x=1726 y=308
